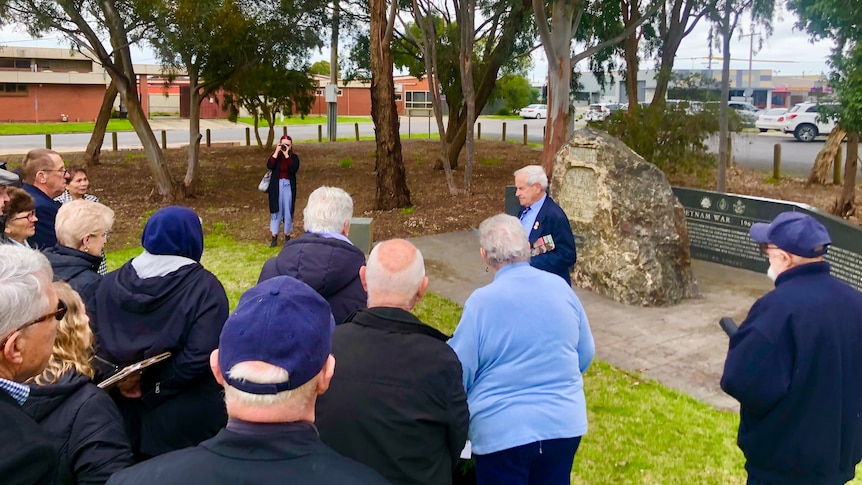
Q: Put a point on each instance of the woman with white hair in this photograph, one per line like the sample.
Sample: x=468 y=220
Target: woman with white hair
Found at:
x=323 y=257
x=82 y=229
x=523 y=342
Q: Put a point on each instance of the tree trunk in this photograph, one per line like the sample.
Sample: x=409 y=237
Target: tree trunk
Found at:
x=195 y=99
x=429 y=53
x=155 y=156
x=466 y=65
x=630 y=52
x=845 y=206
x=677 y=29
x=94 y=147
x=822 y=169
x=723 y=133
x=392 y=191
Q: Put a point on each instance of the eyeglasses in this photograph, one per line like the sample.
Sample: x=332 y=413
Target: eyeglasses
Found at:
x=57 y=170
x=58 y=314
x=29 y=215
x=105 y=235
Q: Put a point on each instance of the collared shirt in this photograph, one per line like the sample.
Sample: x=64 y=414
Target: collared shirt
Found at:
x=529 y=214
x=67 y=197
x=19 y=392
x=335 y=235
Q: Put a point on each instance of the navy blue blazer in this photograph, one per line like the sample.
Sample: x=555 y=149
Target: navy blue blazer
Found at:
x=46 y=212
x=552 y=220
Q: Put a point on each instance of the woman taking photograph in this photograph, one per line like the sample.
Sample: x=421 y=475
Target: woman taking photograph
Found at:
x=282 y=188
x=20 y=218
x=82 y=229
x=81 y=418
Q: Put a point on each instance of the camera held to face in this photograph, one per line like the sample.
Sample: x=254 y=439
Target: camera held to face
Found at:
x=284 y=148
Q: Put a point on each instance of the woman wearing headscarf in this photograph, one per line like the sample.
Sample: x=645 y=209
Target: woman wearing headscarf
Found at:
x=282 y=188
x=164 y=300
x=82 y=229
x=82 y=419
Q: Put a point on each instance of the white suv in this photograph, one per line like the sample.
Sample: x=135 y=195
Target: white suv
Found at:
x=806 y=123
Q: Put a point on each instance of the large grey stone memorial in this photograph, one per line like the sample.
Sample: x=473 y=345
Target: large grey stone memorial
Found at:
x=632 y=240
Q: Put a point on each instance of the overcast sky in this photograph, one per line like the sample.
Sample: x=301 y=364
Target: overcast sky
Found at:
x=786 y=52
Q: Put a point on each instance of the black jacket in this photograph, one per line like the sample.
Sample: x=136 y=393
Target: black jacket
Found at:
x=274 y=164
x=26 y=455
x=795 y=367
x=46 y=212
x=285 y=453
x=79 y=269
x=85 y=426
x=551 y=220
x=328 y=265
x=396 y=402
x=182 y=312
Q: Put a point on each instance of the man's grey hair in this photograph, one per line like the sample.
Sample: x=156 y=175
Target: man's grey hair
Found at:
x=504 y=240
x=25 y=275
x=327 y=210
x=381 y=280
x=534 y=174
x=271 y=375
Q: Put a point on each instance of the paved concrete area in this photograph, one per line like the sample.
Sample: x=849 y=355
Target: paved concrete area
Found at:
x=680 y=346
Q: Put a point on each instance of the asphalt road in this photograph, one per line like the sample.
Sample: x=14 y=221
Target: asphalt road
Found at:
x=749 y=150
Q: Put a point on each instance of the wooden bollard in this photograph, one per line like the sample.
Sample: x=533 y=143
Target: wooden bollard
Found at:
x=504 y=131
x=114 y=143
x=356 y=128
x=776 y=161
x=209 y=138
x=525 y=133
x=284 y=130
x=247 y=136
x=478 y=131
x=164 y=140
x=48 y=141
x=319 y=133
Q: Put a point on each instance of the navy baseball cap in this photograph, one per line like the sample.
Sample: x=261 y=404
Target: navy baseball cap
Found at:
x=283 y=322
x=794 y=232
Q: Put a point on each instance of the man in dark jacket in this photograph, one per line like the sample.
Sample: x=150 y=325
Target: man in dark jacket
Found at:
x=44 y=178
x=273 y=360
x=397 y=403
x=552 y=243
x=29 y=310
x=164 y=300
x=323 y=257
x=795 y=364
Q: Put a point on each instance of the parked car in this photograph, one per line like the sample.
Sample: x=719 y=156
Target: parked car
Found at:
x=537 y=111
x=768 y=120
x=805 y=121
x=747 y=111
x=600 y=111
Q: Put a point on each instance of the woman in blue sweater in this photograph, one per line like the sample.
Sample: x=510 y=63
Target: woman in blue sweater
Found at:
x=523 y=342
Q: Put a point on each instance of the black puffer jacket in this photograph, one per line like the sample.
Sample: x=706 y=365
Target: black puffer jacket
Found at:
x=329 y=265
x=84 y=425
x=79 y=269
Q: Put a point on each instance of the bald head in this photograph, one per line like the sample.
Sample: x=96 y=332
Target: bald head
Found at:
x=394 y=275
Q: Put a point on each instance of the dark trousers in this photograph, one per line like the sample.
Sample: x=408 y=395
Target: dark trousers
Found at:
x=540 y=463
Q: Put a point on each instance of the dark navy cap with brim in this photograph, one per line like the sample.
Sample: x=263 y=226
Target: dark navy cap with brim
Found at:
x=794 y=232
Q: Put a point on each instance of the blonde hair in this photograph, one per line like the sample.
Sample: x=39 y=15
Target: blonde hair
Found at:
x=79 y=218
x=73 y=347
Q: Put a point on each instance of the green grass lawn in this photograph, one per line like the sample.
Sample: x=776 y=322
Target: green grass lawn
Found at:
x=640 y=431
x=308 y=120
x=71 y=127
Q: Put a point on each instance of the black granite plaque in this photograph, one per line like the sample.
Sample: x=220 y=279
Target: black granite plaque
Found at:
x=718 y=226
x=513 y=207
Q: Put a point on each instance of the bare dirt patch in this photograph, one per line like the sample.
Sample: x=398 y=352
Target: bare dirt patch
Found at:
x=227 y=199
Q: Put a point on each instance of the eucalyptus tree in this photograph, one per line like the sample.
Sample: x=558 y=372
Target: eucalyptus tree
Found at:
x=87 y=25
x=831 y=19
